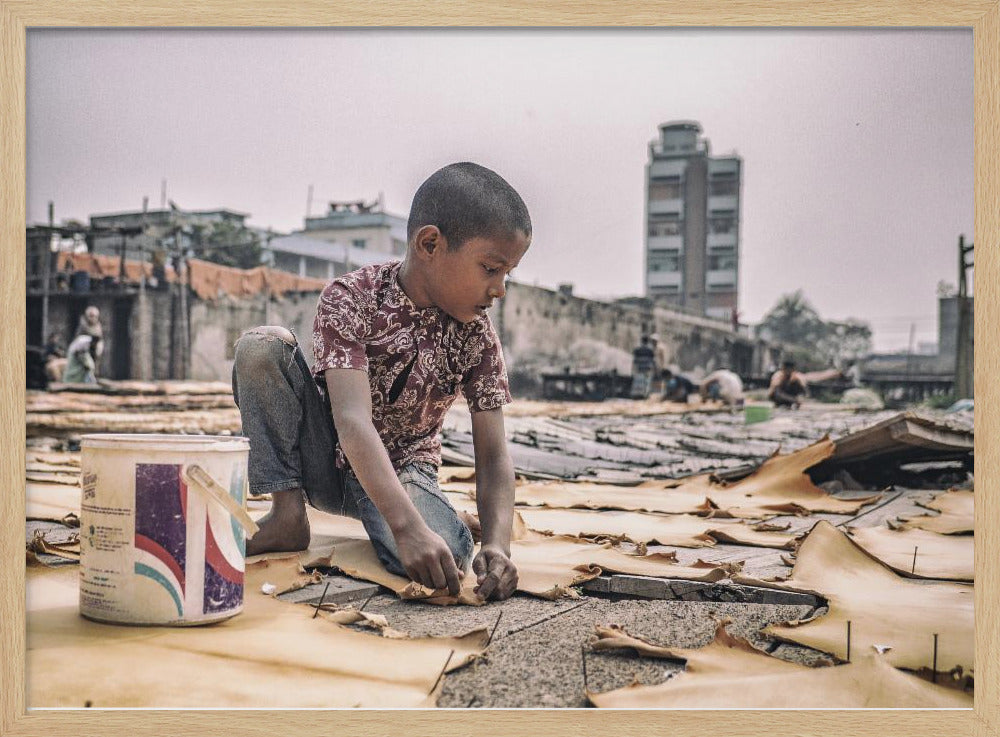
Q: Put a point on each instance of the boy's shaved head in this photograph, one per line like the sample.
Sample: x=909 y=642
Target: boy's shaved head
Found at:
x=466 y=200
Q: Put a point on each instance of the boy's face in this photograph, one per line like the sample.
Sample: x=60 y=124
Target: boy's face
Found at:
x=465 y=282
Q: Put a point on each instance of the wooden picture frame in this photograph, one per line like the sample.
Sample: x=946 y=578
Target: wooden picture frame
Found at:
x=16 y=16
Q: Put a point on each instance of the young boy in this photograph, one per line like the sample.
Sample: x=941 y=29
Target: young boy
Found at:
x=394 y=343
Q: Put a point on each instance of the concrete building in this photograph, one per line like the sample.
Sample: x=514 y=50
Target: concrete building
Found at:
x=692 y=223
x=145 y=232
x=364 y=226
x=317 y=258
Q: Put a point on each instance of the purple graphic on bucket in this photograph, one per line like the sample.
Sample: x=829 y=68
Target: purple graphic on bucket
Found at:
x=161 y=527
x=224 y=550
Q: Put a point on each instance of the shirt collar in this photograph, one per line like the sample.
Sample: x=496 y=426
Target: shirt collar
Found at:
x=423 y=315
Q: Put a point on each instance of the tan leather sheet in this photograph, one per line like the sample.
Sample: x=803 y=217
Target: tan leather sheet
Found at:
x=884 y=608
x=918 y=553
x=956 y=514
x=731 y=673
x=779 y=486
x=547 y=565
x=587 y=495
x=274 y=654
x=681 y=530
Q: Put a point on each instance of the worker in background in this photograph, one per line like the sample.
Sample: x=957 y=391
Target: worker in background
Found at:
x=679 y=387
x=787 y=386
x=643 y=366
x=661 y=360
x=723 y=386
x=90 y=324
x=55 y=358
x=82 y=360
x=853 y=374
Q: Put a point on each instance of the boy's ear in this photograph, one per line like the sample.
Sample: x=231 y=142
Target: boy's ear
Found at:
x=430 y=241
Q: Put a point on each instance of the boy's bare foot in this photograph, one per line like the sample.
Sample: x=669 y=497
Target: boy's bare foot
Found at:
x=285 y=528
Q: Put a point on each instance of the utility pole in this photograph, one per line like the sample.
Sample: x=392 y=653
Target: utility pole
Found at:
x=309 y=202
x=964 y=353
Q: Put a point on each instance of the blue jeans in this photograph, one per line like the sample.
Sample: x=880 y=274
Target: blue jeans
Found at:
x=292 y=443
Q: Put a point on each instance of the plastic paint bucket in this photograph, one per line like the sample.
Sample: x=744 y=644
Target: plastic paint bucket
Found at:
x=757 y=412
x=162 y=528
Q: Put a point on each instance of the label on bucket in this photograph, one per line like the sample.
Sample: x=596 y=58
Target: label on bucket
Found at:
x=154 y=551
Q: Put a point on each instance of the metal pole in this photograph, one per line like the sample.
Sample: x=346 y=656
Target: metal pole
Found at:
x=46 y=274
x=185 y=322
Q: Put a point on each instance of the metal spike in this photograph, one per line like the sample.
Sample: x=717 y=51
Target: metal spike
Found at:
x=316 y=613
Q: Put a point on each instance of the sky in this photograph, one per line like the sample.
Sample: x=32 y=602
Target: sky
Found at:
x=857 y=144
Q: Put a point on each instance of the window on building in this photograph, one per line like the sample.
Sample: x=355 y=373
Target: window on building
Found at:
x=664 y=225
x=726 y=287
x=722 y=221
x=721 y=261
x=398 y=246
x=664 y=261
x=723 y=184
x=359 y=242
x=665 y=189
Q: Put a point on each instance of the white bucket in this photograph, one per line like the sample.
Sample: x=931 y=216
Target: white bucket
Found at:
x=162 y=528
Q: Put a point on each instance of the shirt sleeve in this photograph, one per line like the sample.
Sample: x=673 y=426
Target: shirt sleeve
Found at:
x=340 y=330
x=485 y=384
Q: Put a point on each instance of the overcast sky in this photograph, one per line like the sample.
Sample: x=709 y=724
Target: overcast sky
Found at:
x=857 y=144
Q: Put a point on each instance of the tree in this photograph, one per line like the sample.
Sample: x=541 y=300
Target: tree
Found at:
x=794 y=321
x=227 y=244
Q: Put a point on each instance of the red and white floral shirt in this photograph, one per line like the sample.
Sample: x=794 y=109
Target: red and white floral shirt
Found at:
x=417 y=360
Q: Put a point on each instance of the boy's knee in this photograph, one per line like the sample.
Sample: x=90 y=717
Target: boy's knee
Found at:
x=259 y=350
x=269 y=332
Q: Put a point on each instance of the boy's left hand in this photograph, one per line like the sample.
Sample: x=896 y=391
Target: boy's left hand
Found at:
x=496 y=576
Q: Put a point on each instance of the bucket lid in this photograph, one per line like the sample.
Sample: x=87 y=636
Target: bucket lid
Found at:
x=164 y=441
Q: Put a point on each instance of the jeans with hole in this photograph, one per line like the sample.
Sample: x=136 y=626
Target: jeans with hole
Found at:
x=293 y=441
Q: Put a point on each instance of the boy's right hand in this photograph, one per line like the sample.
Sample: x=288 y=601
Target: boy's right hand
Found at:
x=427 y=559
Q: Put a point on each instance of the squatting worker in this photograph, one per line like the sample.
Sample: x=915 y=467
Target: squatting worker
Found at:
x=788 y=386
x=394 y=345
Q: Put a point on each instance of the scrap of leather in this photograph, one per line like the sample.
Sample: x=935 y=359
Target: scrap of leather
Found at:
x=547 y=566
x=883 y=607
x=917 y=553
x=681 y=530
x=68 y=549
x=273 y=654
x=731 y=673
x=956 y=518
x=274 y=575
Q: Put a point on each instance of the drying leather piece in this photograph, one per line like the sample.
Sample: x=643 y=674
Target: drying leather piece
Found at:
x=917 y=553
x=884 y=608
x=779 y=486
x=731 y=673
x=956 y=518
x=547 y=567
x=274 y=654
x=279 y=574
x=587 y=495
x=681 y=530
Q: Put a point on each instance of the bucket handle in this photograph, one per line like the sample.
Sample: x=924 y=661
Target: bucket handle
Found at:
x=198 y=477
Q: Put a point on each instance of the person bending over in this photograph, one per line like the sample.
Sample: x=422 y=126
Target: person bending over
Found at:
x=394 y=345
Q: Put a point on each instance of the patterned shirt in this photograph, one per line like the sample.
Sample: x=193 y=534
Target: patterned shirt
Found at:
x=417 y=359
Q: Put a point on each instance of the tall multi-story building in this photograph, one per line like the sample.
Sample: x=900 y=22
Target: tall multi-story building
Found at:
x=692 y=223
